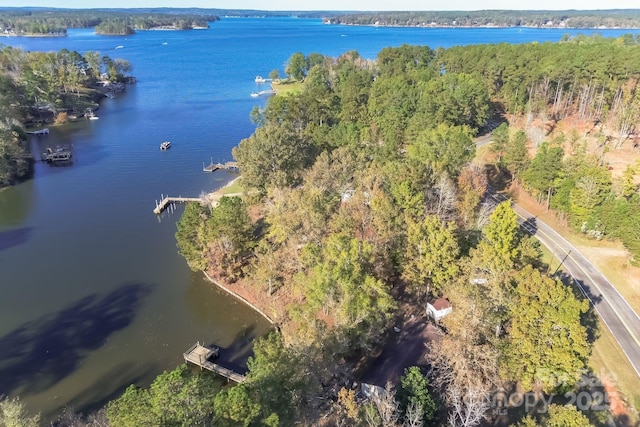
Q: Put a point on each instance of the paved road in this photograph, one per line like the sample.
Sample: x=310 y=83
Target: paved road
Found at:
x=614 y=310
x=484 y=140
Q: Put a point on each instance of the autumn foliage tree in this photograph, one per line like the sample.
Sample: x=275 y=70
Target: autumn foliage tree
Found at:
x=472 y=185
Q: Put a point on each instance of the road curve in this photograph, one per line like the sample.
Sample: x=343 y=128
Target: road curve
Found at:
x=484 y=140
x=614 y=310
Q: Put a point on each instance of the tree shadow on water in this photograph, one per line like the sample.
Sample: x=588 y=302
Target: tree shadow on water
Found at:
x=235 y=355
x=11 y=238
x=42 y=352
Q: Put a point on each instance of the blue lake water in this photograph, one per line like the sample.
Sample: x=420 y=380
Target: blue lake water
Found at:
x=94 y=295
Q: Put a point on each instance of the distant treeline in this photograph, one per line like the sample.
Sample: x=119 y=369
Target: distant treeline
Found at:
x=628 y=18
x=56 y=21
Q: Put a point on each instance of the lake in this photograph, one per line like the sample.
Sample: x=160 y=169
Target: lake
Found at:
x=94 y=295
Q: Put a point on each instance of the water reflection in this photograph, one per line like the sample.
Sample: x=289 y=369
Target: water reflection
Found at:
x=42 y=352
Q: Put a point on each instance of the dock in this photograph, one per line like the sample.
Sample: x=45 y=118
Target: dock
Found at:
x=43 y=131
x=199 y=355
x=215 y=166
x=168 y=200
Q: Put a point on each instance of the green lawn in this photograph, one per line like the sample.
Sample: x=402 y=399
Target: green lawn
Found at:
x=235 y=187
x=286 y=87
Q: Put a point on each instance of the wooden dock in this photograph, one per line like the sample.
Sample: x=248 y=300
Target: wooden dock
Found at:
x=215 y=166
x=199 y=355
x=166 y=201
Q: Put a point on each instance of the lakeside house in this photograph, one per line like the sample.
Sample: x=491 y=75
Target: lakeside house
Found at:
x=439 y=309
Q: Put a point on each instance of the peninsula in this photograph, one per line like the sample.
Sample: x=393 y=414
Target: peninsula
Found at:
x=593 y=19
x=55 y=22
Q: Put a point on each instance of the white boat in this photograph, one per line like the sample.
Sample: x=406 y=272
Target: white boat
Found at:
x=255 y=94
x=165 y=145
x=260 y=79
x=90 y=114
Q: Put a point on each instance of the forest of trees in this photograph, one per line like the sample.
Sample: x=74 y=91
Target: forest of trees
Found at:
x=366 y=196
x=591 y=79
x=627 y=18
x=362 y=202
x=122 y=22
x=35 y=86
x=114 y=26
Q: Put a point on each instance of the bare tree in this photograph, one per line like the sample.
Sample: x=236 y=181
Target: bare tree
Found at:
x=464 y=362
x=442 y=200
x=557 y=101
x=413 y=417
x=70 y=418
x=483 y=215
x=370 y=415
x=467 y=406
x=585 y=101
x=387 y=406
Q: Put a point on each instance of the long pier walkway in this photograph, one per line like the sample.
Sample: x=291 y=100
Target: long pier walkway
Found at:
x=166 y=201
x=199 y=355
x=215 y=166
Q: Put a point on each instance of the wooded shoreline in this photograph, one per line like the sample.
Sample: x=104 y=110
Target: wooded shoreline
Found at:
x=239 y=297
x=546 y=27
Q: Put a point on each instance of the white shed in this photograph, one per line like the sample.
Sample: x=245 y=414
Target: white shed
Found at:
x=439 y=308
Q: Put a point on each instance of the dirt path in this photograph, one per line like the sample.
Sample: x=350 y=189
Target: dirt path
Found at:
x=405 y=349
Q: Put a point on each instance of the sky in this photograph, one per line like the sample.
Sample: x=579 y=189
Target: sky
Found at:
x=338 y=4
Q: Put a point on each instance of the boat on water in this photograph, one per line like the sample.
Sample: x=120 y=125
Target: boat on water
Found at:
x=59 y=154
x=263 y=93
x=165 y=145
x=90 y=114
x=260 y=79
